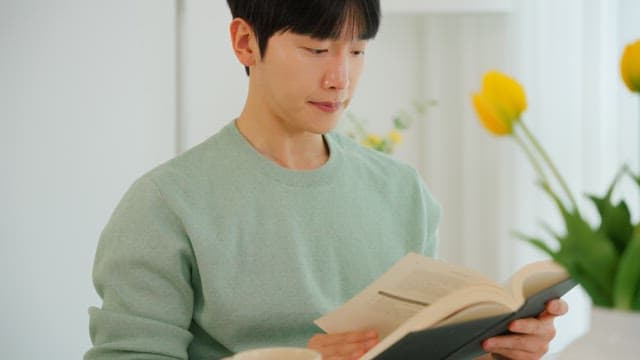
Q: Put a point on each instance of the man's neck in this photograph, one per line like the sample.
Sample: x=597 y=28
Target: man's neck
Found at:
x=295 y=150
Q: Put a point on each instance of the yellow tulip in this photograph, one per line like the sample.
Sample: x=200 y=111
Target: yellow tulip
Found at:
x=372 y=140
x=630 y=66
x=506 y=93
x=500 y=102
x=395 y=136
x=488 y=116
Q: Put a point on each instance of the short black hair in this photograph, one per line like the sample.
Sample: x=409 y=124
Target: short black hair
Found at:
x=321 y=19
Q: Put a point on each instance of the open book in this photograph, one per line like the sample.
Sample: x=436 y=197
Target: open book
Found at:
x=425 y=307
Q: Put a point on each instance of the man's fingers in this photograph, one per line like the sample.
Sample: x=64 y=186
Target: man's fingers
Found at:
x=343 y=346
x=506 y=354
x=554 y=308
x=354 y=356
x=509 y=344
x=531 y=336
x=557 y=307
x=346 y=350
x=539 y=327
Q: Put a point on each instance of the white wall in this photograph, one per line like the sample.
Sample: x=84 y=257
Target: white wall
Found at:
x=213 y=84
x=87 y=104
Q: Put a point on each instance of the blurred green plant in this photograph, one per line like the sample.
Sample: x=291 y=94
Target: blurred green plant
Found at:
x=604 y=259
x=356 y=127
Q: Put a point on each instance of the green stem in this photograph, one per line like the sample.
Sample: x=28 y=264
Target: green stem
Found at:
x=532 y=159
x=538 y=168
x=550 y=163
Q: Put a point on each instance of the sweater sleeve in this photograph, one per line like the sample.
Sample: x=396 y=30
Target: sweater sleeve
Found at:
x=432 y=212
x=142 y=272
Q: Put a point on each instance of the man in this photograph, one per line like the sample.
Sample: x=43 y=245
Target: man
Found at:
x=245 y=239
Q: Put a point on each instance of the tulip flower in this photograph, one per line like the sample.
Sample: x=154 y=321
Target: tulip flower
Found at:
x=630 y=66
x=489 y=116
x=373 y=140
x=395 y=136
x=500 y=103
x=603 y=259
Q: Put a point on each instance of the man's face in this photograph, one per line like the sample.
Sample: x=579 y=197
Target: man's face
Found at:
x=304 y=84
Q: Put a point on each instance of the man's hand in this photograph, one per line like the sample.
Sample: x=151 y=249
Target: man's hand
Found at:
x=343 y=346
x=531 y=337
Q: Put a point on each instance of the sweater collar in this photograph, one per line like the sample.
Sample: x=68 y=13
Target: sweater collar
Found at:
x=325 y=174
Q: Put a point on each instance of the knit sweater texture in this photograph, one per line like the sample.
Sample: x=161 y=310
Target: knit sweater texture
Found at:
x=221 y=250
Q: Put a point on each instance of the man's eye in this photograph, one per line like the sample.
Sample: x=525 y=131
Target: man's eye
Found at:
x=358 y=52
x=317 y=51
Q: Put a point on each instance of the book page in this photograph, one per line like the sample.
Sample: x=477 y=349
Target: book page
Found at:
x=464 y=304
x=412 y=284
x=535 y=277
x=419 y=293
x=474 y=312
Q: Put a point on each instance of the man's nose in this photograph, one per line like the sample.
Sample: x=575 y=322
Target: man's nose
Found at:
x=337 y=75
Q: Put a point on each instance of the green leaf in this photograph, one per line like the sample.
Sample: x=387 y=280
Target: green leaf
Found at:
x=547 y=189
x=537 y=243
x=550 y=231
x=578 y=269
x=635 y=177
x=616 y=221
x=399 y=123
x=636 y=301
x=590 y=257
x=627 y=281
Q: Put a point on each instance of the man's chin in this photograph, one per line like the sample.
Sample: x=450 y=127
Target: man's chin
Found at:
x=327 y=126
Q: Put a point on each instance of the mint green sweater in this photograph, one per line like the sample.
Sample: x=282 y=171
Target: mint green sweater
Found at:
x=221 y=250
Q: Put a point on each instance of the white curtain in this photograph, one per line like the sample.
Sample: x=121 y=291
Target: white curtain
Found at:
x=566 y=54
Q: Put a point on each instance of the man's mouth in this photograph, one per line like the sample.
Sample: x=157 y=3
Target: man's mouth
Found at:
x=327 y=106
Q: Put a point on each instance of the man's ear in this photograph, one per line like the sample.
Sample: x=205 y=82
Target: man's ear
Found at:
x=244 y=42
